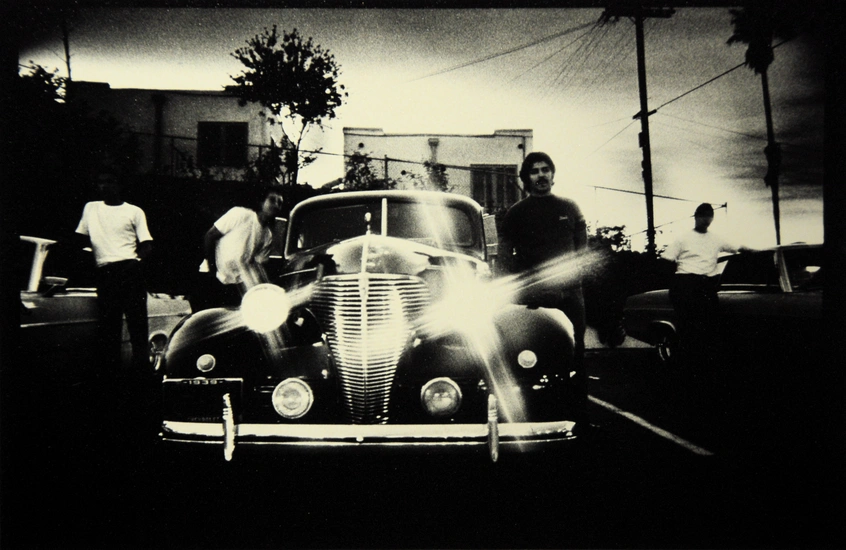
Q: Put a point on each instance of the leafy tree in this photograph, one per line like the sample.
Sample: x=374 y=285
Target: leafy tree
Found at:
x=271 y=165
x=361 y=176
x=438 y=176
x=57 y=149
x=757 y=24
x=621 y=274
x=611 y=238
x=41 y=87
x=296 y=82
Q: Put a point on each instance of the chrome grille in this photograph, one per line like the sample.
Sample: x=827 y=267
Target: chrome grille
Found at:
x=367 y=322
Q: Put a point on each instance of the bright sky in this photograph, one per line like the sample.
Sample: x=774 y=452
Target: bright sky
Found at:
x=577 y=92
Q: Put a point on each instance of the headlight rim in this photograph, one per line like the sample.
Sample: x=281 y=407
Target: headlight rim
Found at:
x=303 y=410
x=452 y=384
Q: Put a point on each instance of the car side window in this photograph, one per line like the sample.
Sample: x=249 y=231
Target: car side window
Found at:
x=804 y=268
x=757 y=270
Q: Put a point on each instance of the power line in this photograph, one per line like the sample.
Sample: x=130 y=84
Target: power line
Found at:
x=701 y=85
x=611 y=139
x=751 y=136
x=553 y=54
x=641 y=193
x=589 y=48
x=710 y=80
x=719 y=207
x=506 y=52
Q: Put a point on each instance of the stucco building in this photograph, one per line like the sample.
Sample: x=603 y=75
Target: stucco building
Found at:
x=183 y=131
x=191 y=133
x=483 y=167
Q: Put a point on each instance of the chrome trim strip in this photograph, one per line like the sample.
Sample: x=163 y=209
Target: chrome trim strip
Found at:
x=416 y=434
x=176 y=316
x=58 y=323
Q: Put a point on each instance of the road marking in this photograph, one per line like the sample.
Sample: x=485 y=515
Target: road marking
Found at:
x=654 y=429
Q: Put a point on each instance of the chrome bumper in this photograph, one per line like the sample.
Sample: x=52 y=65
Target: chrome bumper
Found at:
x=494 y=435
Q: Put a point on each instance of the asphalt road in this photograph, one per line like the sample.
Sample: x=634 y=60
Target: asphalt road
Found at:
x=682 y=460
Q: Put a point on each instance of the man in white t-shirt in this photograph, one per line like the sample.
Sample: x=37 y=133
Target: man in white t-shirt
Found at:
x=693 y=291
x=118 y=235
x=237 y=246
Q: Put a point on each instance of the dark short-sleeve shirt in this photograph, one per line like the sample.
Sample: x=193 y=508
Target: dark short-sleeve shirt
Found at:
x=542 y=228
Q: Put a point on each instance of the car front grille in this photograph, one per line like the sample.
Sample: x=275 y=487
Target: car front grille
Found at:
x=367 y=320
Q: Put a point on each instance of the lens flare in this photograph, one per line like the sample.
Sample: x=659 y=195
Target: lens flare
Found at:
x=265 y=307
x=470 y=304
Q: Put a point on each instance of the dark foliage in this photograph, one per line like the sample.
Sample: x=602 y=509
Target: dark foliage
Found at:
x=57 y=151
x=361 y=175
x=623 y=274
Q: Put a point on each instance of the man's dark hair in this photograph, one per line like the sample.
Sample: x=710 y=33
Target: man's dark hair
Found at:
x=704 y=209
x=530 y=160
x=265 y=191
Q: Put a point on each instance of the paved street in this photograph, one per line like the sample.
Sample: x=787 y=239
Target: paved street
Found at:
x=678 y=463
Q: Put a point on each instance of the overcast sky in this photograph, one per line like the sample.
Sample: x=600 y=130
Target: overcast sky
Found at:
x=577 y=92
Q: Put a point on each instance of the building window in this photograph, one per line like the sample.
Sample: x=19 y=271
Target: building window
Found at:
x=222 y=144
x=495 y=186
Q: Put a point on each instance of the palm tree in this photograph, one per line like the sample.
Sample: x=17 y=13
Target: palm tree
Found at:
x=757 y=24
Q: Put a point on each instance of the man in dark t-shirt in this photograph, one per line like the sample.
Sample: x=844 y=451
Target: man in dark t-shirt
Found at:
x=541 y=228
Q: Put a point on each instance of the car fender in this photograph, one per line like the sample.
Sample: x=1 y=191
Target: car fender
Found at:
x=661 y=327
x=294 y=349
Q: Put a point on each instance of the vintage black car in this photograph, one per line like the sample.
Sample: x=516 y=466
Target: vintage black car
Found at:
x=770 y=302
x=383 y=328
x=58 y=316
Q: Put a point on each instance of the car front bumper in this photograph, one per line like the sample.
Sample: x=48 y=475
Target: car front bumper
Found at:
x=509 y=436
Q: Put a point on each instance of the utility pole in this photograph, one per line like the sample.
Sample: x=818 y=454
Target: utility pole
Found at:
x=638 y=13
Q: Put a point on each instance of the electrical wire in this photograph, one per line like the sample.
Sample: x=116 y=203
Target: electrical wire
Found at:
x=506 y=52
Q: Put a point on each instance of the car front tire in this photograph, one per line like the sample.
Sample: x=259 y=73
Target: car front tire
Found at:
x=667 y=347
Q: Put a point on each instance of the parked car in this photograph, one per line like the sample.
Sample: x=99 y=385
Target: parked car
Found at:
x=382 y=329
x=770 y=301
x=59 y=322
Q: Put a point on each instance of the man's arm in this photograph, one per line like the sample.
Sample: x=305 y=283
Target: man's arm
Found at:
x=210 y=246
x=580 y=238
x=79 y=241
x=505 y=255
x=579 y=226
x=144 y=249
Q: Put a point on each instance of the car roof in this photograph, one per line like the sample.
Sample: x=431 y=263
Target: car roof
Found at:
x=353 y=197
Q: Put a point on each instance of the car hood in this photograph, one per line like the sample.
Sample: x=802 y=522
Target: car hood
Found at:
x=652 y=298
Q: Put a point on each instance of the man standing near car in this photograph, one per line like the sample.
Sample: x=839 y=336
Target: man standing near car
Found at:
x=236 y=247
x=545 y=227
x=693 y=291
x=118 y=235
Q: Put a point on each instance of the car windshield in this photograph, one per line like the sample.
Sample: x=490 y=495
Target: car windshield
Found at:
x=437 y=225
x=804 y=268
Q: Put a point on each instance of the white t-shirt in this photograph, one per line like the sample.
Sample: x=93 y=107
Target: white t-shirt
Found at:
x=696 y=253
x=244 y=244
x=114 y=230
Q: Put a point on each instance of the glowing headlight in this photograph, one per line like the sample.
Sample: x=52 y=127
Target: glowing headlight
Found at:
x=441 y=397
x=292 y=398
x=265 y=307
x=527 y=359
x=206 y=362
